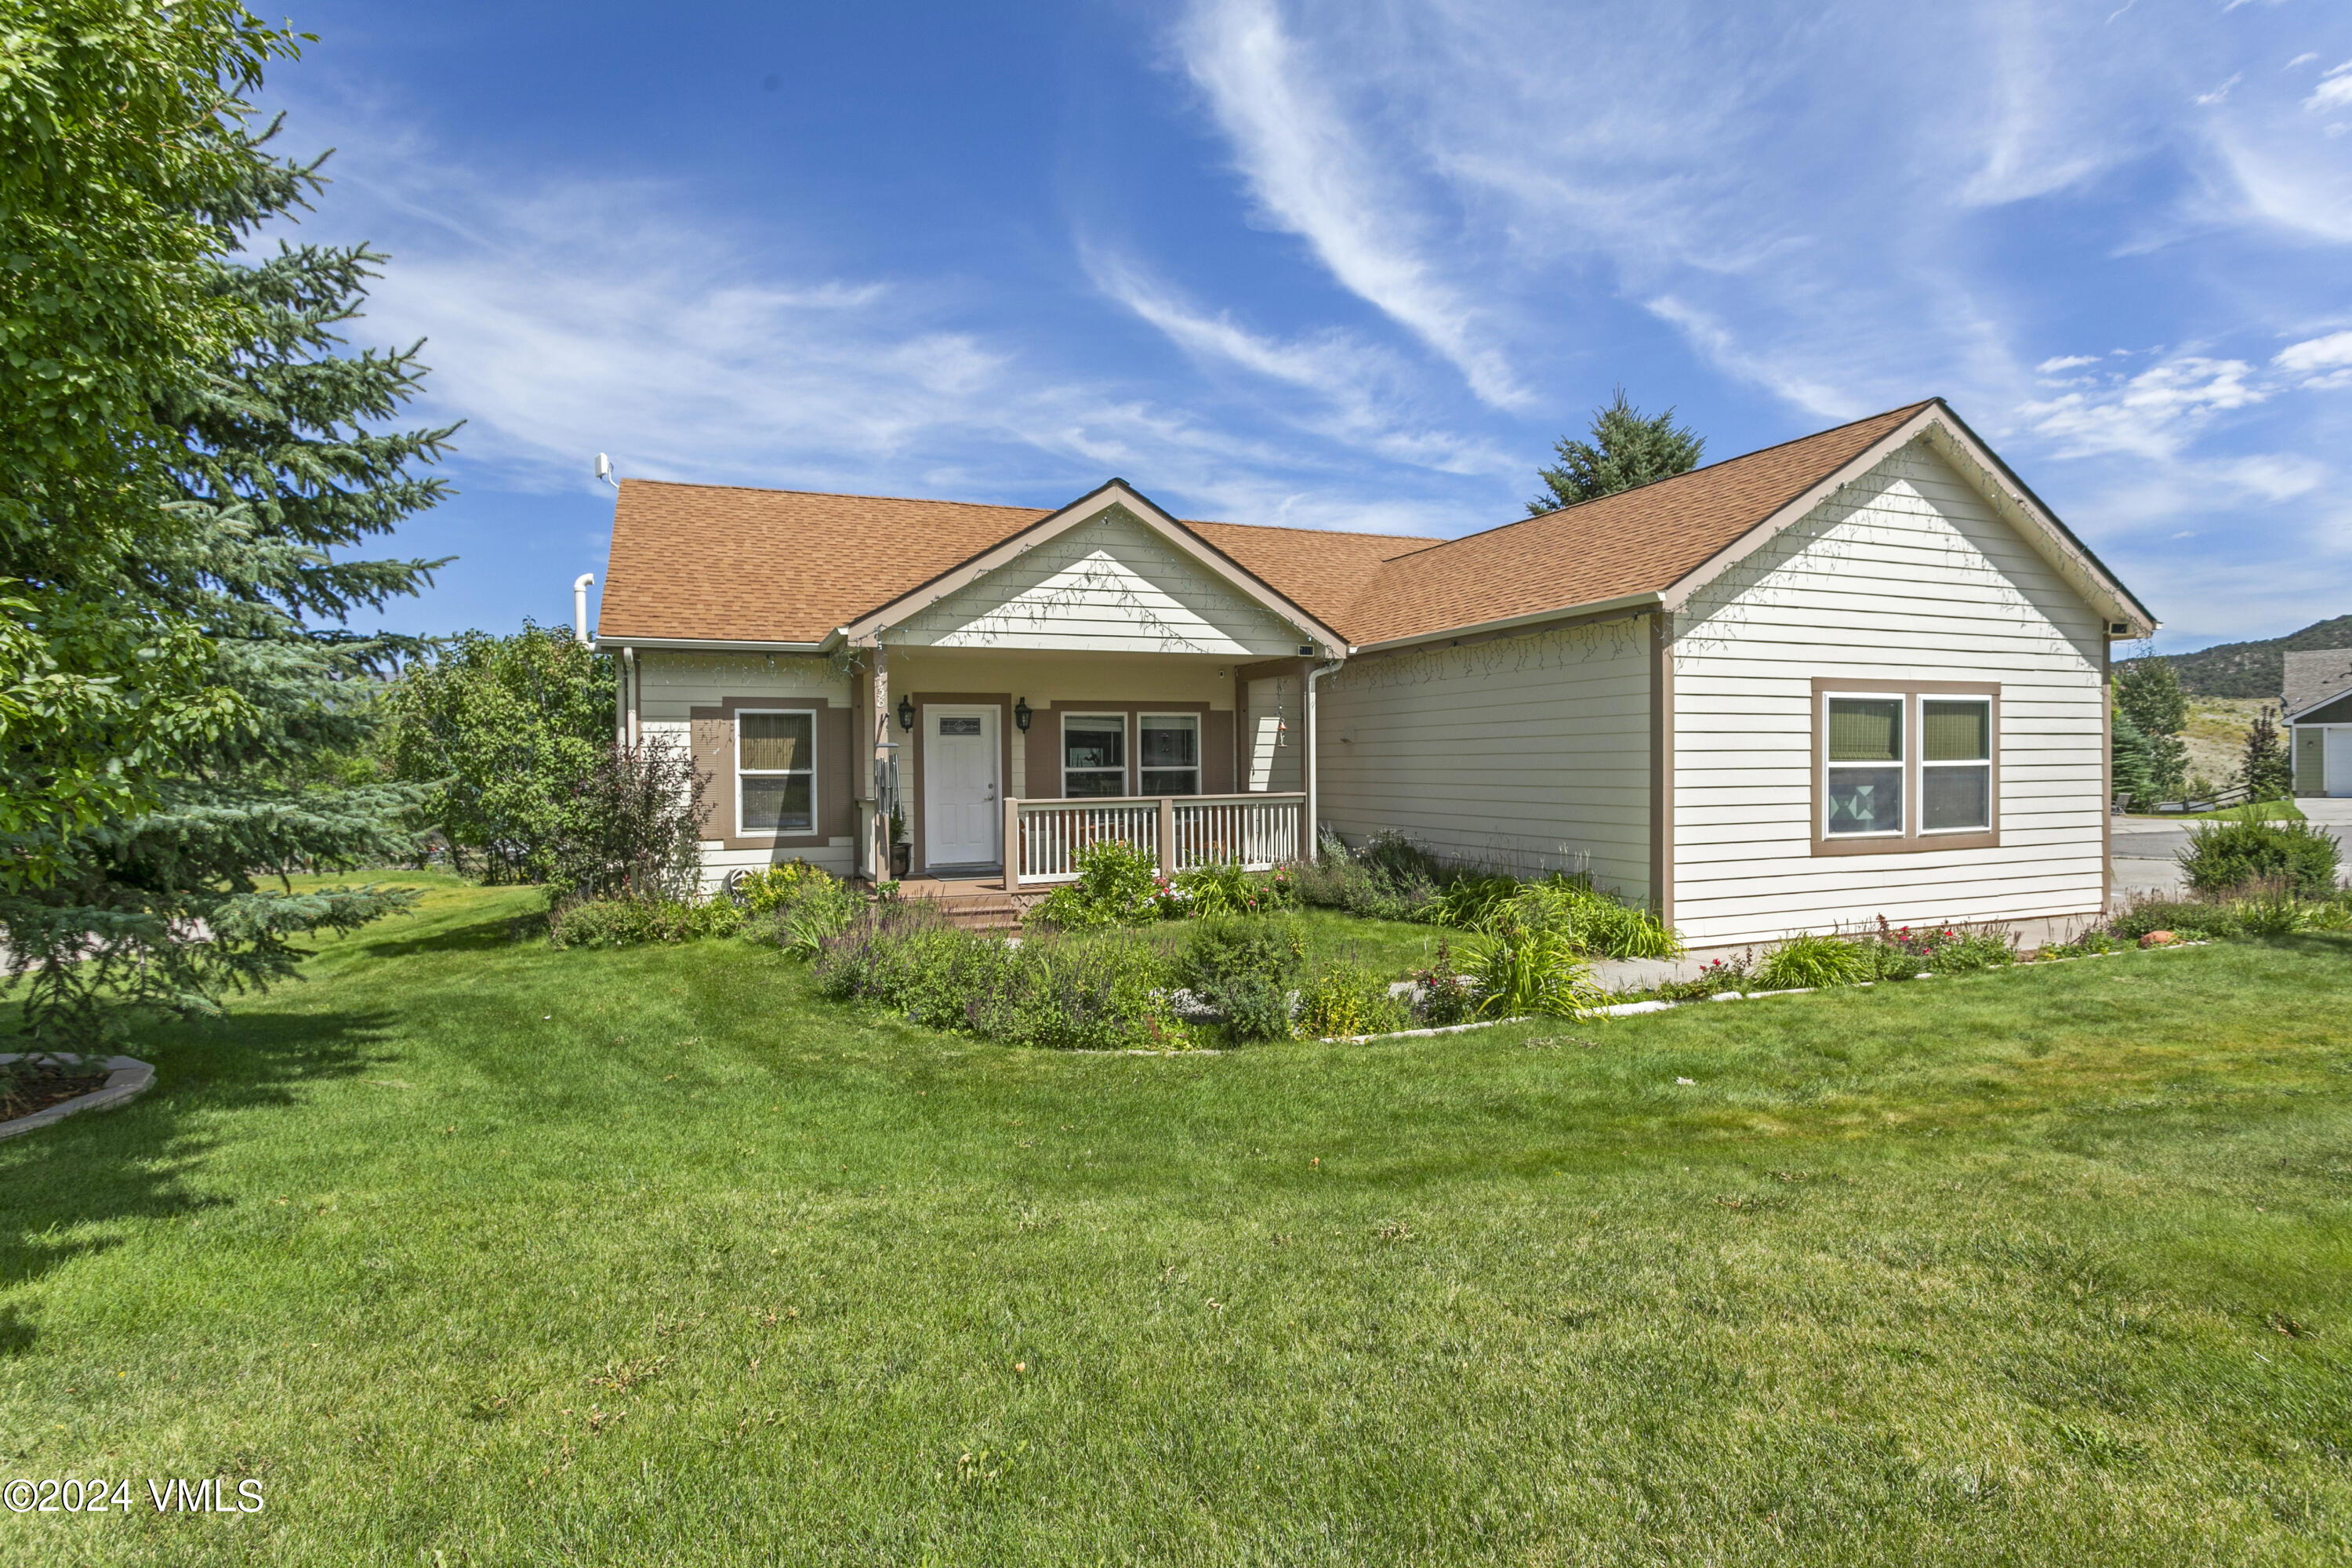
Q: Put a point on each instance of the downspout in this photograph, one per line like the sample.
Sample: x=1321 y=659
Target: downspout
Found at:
x=1310 y=829
x=621 y=699
x=629 y=678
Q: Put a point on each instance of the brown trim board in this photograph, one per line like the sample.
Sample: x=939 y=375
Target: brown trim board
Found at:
x=910 y=757
x=711 y=733
x=1911 y=841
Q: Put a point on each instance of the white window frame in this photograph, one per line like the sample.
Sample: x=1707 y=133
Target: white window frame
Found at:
x=1901 y=764
x=1199 y=741
x=815 y=816
x=1985 y=763
x=1126 y=746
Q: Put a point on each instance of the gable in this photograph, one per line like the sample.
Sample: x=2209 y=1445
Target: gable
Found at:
x=2337 y=712
x=1111 y=584
x=1909 y=548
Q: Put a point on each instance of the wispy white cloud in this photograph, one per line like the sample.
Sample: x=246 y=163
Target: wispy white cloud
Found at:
x=2064 y=362
x=1307 y=170
x=2152 y=414
x=2220 y=93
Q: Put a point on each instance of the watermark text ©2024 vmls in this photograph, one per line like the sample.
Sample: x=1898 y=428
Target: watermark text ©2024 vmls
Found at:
x=101 y=1494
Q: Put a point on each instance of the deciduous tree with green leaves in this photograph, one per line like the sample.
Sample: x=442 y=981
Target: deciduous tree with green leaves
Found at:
x=505 y=731
x=1627 y=449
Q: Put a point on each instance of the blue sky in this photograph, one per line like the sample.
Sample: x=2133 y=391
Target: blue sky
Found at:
x=1355 y=265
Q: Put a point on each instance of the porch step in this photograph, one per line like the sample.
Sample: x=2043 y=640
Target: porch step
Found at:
x=979 y=911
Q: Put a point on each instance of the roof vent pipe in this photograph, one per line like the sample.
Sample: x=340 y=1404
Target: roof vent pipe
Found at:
x=580 y=606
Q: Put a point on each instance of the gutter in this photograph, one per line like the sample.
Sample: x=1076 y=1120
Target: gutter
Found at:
x=1647 y=599
x=829 y=642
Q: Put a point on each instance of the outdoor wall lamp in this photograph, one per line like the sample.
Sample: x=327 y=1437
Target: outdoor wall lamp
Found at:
x=1021 y=714
x=906 y=713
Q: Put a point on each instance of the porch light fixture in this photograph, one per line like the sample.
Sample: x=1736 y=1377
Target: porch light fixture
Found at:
x=906 y=713
x=1021 y=714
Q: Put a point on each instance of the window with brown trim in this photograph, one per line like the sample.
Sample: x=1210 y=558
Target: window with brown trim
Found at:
x=1905 y=766
x=775 y=772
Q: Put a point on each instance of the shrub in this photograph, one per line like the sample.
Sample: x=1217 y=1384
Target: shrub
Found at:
x=1898 y=952
x=823 y=910
x=1117 y=884
x=1207 y=891
x=1527 y=969
x=1471 y=899
x=1390 y=879
x=1811 y=959
x=2089 y=944
x=1349 y=997
x=1715 y=977
x=2269 y=909
x=635 y=922
x=1445 y=997
x=2188 y=917
x=1244 y=969
x=2239 y=849
x=1593 y=922
x=777 y=887
x=633 y=828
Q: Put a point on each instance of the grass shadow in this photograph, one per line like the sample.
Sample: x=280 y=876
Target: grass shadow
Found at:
x=72 y=1187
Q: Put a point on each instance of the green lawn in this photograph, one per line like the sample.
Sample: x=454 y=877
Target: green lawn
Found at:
x=473 y=1252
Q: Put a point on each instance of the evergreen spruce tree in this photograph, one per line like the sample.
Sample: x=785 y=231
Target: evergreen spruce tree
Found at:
x=2149 y=690
x=2130 y=768
x=2267 y=773
x=1626 y=450
x=274 y=469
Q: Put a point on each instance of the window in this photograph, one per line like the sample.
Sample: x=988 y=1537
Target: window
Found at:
x=1955 y=764
x=959 y=724
x=1864 y=789
x=1904 y=766
x=1093 y=755
x=776 y=773
x=1168 y=749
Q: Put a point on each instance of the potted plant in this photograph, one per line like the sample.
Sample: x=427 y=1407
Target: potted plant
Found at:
x=902 y=848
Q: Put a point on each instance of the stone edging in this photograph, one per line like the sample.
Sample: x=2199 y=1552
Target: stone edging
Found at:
x=1628 y=1009
x=127 y=1077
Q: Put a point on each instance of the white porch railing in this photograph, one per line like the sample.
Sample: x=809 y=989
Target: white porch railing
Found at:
x=1258 y=832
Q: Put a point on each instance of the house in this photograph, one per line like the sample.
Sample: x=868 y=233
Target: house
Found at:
x=2316 y=708
x=1857 y=674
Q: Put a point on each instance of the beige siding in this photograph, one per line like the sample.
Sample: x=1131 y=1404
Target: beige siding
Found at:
x=1108 y=585
x=1272 y=735
x=669 y=684
x=1907 y=574
x=1528 y=753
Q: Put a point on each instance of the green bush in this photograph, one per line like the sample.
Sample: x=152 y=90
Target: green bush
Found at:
x=2237 y=849
x=1349 y=997
x=1207 y=891
x=775 y=887
x=823 y=909
x=1523 y=969
x=1445 y=997
x=633 y=922
x=1117 y=884
x=1104 y=993
x=1471 y=899
x=1808 y=960
x=1390 y=879
x=1244 y=969
x=2187 y=917
x=1898 y=952
x=1593 y=922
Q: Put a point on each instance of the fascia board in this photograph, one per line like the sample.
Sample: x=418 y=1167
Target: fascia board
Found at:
x=719 y=645
x=865 y=631
x=1511 y=623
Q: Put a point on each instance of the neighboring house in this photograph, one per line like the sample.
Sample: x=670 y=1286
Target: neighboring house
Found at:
x=2318 y=712
x=1859 y=674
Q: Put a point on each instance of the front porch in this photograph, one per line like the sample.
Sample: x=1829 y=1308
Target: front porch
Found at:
x=995 y=768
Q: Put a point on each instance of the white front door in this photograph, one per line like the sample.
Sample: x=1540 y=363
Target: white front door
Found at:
x=961 y=818
x=2335 y=758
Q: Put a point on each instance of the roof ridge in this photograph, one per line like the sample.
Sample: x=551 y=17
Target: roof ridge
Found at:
x=1315 y=532
x=846 y=495
x=1670 y=478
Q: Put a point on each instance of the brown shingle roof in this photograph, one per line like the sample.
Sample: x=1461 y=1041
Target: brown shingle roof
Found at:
x=713 y=562
x=721 y=563
x=1637 y=541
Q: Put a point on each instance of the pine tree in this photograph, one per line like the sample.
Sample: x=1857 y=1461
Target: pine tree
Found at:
x=273 y=471
x=2149 y=690
x=2267 y=773
x=1626 y=450
x=2130 y=770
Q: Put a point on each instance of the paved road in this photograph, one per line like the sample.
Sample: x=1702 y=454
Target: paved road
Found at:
x=2146 y=854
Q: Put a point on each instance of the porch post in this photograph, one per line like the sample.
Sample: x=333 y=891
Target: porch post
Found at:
x=882 y=845
x=1167 y=835
x=1012 y=856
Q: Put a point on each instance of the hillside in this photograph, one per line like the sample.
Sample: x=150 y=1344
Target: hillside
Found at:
x=2255 y=668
